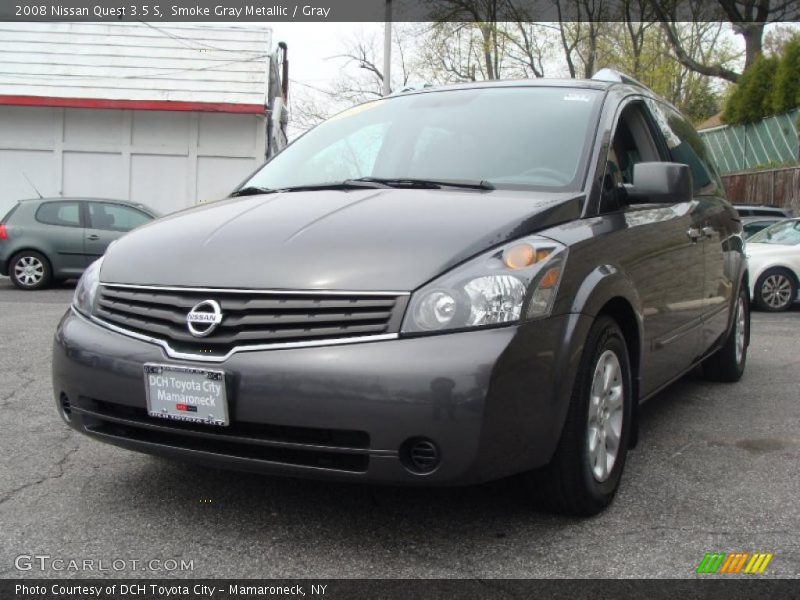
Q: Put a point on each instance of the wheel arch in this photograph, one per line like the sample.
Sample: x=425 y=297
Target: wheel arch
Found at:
x=14 y=253
x=782 y=267
x=608 y=290
x=622 y=312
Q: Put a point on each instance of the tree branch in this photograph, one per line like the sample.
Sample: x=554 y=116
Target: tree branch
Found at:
x=681 y=54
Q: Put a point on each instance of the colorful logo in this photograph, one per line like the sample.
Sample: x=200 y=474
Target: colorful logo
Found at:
x=735 y=562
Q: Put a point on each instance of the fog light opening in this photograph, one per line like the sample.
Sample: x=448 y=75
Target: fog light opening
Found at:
x=420 y=455
x=66 y=408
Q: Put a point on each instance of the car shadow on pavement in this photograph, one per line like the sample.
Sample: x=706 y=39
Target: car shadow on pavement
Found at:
x=332 y=501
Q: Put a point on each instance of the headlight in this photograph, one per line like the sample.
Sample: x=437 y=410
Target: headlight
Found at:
x=83 y=299
x=515 y=282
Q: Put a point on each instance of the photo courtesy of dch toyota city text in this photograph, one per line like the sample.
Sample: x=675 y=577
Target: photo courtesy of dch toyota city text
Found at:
x=399 y=299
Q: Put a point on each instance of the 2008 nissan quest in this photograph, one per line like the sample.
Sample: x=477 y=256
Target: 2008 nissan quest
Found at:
x=444 y=286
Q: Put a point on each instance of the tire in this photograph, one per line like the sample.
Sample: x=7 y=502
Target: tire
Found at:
x=728 y=363
x=30 y=270
x=775 y=290
x=574 y=483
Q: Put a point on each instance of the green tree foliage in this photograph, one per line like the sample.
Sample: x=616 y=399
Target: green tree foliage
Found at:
x=640 y=49
x=786 y=91
x=751 y=101
x=770 y=86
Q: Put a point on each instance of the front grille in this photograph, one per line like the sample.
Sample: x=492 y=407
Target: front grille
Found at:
x=250 y=318
x=333 y=449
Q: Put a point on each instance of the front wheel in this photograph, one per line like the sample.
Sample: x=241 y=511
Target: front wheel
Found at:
x=584 y=474
x=776 y=290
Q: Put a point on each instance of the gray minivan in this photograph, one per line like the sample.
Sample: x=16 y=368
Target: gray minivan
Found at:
x=401 y=296
x=50 y=239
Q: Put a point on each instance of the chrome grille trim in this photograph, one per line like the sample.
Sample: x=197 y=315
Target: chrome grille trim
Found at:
x=217 y=359
x=374 y=308
x=205 y=290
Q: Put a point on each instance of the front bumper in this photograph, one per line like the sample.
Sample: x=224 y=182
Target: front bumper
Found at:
x=493 y=401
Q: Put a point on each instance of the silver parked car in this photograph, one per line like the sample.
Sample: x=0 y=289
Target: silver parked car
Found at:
x=49 y=239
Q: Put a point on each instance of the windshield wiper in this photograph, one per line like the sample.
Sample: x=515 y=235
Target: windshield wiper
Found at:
x=251 y=190
x=432 y=184
x=347 y=184
x=369 y=183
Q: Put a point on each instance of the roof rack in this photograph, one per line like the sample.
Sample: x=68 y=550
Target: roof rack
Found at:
x=607 y=74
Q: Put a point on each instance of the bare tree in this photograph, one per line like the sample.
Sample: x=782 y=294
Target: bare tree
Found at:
x=470 y=17
x=580 y=36
x=639 y=17
x=365 y=51
x=529 y=45
x=748 y=18
x=360 y=79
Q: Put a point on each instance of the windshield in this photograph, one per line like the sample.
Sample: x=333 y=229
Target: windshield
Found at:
x=509 y=137
x=786 y=233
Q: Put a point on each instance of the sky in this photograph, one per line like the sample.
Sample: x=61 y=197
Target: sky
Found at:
x=312 y=44
x=312 y=50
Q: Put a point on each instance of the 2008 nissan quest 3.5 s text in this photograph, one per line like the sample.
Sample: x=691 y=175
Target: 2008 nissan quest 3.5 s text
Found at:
x=444 y=286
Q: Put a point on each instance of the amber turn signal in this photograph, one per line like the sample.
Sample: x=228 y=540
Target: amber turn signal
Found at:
x=550 y=278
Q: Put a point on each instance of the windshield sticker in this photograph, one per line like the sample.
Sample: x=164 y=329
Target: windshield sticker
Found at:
x=577 y=97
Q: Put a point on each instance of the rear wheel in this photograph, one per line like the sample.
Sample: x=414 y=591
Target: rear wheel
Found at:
x=776 y=290
x=584 y=474
x=727 y=363
x=30 y=270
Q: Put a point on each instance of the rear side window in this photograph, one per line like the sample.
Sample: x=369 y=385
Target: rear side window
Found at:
x=755 y=226
x=115 y=217
x=65 y=214
x=686 y=147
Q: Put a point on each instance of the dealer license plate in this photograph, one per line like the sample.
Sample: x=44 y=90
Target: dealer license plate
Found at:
x=186 y=394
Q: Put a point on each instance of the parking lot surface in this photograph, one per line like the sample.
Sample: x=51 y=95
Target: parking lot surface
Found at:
x=716 y=469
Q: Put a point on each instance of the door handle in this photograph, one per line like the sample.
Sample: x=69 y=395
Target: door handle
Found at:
x=93 y=237
x=708 y=232
x=693 y=234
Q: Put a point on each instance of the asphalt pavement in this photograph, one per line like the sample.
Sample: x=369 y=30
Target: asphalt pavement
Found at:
x=716 y=469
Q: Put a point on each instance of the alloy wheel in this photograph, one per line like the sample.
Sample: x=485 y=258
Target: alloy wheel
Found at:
x=604 y=429
x=29 y=271
x=777 y=291
x=741 y=329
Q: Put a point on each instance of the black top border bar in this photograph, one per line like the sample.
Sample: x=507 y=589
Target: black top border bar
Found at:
x=401 y=10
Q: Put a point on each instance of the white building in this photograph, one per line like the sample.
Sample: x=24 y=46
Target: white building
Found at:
x=167 y=115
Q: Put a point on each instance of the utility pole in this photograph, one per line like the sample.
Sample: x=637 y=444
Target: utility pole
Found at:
x=387 y=50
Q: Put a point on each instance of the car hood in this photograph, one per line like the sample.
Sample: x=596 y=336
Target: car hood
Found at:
x=371 y=239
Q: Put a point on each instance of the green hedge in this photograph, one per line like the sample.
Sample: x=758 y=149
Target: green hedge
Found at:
x=786 y=89
x=770 y=86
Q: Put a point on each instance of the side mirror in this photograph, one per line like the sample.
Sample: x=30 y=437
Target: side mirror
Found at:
x=660 y=182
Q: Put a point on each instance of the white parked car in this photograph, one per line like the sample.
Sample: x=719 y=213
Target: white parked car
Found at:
x=774 y=257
